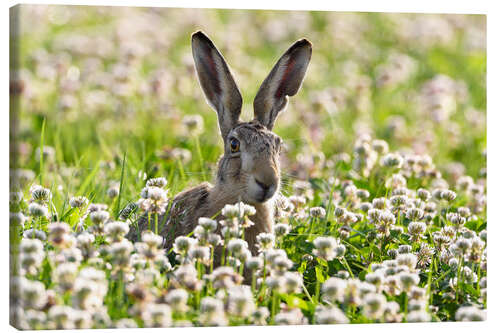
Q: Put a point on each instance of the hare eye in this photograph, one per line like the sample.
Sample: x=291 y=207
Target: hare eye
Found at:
x=235 y=145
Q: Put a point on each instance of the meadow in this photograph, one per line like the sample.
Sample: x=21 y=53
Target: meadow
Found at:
x=383 y=169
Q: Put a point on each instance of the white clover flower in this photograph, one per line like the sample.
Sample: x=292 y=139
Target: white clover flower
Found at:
x=380 y=146
x=182 y=244
x=207 y=224
x=157 y=182
x=407 y=259
x=40 y=194
x=212 y=312
x=280 y=264
x=417 y=305
x=265 y=241
x=330 y=315
x=177 y=299
x=115 y=231
x=35 y=319
x=15 y=197
x=38 y=210
x=99 y=217
x=240 y=301
x=200 y=253
x=120 y=253
x=281 y=229
x=238 y=210
x=326 y=247
x=470 y=313
x=374 y=305
x=113 y=190
x=214 y=240
x=61 y=317
x=194 y=123
x=225 y=277
x=17 y=219
x=126 y=323
x=78 y=202
x=260 y=315
x=448 y=195
x=254 y=263
x=59 y=234
x=157 y=315
x=415 y=214
x=376 y=278
x=297 y=201
x=396 y=181
x=151 y=239
x=348 y=218
x=392 y=160
x=418 y=316
x=236 y=246
x=156 y=193
x=416 y=230
x=33 y=294
x=461 y=246
x=65 y=275
x=292 y=282
x=333 y=289
x=423 y=194
x=408 y=280
x=290 y=317
x=31 y=246
x=318 y=212
x=380 y=203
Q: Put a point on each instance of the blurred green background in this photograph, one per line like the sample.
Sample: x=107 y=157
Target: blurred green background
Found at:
x=99 y=82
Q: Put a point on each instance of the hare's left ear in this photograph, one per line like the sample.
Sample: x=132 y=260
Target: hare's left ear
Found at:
x=217 y=82
x=284 y=80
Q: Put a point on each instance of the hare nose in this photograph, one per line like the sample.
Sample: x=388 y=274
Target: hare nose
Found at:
x=264 y=186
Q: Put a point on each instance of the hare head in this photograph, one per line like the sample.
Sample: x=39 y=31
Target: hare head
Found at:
x=249 y=169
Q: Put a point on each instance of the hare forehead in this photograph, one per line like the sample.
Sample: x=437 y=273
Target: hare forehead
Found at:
x=257 y=138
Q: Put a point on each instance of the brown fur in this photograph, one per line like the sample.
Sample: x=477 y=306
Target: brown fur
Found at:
x=252 y=174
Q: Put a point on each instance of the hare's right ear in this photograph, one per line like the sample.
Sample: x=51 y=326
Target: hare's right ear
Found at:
x=284 y=80
x=217 y=82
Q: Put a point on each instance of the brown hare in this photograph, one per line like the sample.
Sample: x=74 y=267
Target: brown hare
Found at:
x=249 y=169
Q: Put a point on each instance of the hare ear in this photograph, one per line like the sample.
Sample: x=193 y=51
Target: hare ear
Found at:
x=284 y=80
x=217 y=82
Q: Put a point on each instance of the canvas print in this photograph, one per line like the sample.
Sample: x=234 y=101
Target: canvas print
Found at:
x=209 y=167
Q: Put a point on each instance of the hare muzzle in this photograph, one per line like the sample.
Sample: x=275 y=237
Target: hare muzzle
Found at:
x=264 y=183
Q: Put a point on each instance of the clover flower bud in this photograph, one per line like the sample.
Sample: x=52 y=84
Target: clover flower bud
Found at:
x=265 y=241
x=78 y=202
x=423 y=194
x=380 y=146
x=448 y=195
x=391 y=160
x=99 y=217
x=281 y=229
x=330 y=315
x=470 y=313
x=374 y=305
x=260 y=315
x=157 y=182
x=177 y=299
x=332 y=289
x=40 y=194
x=326 y=247
x=207 y=224
x=38 y=210
x=318 y=212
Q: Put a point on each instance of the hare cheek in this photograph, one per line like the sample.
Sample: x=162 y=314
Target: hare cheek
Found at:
x=246 y=163
x=254 y=190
